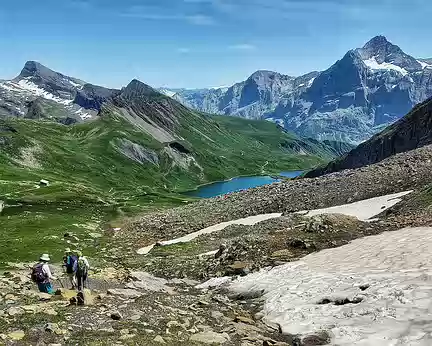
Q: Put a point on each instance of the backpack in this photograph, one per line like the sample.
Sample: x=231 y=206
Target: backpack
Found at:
x=38 y=275
x=81 y=267
x=71 y=264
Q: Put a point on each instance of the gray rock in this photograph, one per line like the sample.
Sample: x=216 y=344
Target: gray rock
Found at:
x=210 y=337
x=317 y=338
x=159 y=339
x=136 y=152
x=127 y=293
x=116 y=315
x=14 y=311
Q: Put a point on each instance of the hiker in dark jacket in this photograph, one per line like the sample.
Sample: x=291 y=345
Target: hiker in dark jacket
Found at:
x=42 y=275
x=69 y=263
x=82 y=269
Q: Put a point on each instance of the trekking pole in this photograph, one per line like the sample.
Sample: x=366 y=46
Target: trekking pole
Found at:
x=61 y=283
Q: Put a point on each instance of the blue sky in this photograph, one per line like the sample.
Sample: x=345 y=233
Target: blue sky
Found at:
x=200 y=43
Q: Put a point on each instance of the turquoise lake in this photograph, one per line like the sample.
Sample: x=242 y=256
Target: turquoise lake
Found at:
x=238 y=184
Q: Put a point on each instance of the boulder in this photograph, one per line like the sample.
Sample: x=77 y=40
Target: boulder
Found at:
x=116 y=315
x=318 y=338
x=159 y=339
x=16 y=335
x=210 y=337
x=14 y=311
x=127 y=293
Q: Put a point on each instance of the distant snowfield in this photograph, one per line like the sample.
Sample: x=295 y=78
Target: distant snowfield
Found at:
x=374 y=66
x=363 y=210
x=424 y=65
x=26 y=87
x=251 y=220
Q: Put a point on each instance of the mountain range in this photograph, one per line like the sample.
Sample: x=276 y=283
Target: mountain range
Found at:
x=359 y=95
x=98 y=144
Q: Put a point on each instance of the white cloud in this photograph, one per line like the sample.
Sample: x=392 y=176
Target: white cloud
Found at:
x=199 y=19
x=243 y=46
x=155 y=13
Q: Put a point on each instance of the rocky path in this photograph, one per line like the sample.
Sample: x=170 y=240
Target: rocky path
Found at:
x=142 y=310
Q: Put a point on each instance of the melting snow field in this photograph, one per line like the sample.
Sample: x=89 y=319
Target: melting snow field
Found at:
x=395 y=308
x=376 y=290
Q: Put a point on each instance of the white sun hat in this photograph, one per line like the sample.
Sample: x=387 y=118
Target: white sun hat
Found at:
x=45 y=257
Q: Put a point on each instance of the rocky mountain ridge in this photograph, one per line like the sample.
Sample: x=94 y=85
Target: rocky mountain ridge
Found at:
x=411 y=132
x=368 y=89
x=58 y=97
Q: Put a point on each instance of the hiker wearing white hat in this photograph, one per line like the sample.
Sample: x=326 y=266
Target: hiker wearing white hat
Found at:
x=42 y=275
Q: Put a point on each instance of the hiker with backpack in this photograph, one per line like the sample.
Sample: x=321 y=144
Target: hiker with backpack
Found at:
x=69 y=263
x=82 y=269
x=42 y=276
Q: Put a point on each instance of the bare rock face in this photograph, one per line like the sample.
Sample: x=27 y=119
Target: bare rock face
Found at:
x=411 y=132
x=136 y=152
x=367 y=89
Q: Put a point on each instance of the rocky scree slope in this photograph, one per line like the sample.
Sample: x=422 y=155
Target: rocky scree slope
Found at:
x=412 y=131
x=400 y=172
x=368 y=89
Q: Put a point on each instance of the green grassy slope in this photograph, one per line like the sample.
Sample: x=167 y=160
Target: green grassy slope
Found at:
x=91 y=181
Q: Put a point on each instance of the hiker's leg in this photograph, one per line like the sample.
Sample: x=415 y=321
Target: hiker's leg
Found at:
x=42 y=288
x=79 y=277
x=85 y=281
x=72 y=280
x=49 y=288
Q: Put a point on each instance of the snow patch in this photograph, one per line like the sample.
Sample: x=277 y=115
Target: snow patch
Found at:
x=251 y=220
x=27 y=85
x=83 y=115
x=375 y=66
x=223 y=88
x=28 y=88
x=167 y=92
x=363 y=210
x=387 y=277
x=76 y=85
x=280 y=122
x=424 y=64
x=311 y=82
